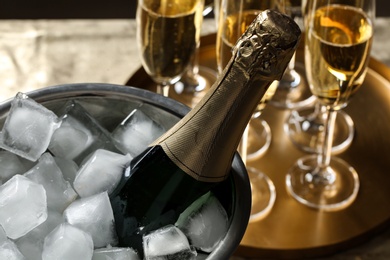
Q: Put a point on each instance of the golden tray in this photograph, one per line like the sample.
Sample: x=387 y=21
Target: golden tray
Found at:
x=292 y=230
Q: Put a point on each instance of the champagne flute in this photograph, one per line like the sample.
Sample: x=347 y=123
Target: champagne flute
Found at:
x=263 y=189
x=234 y=18
x=293 y=91
x=304 y=123
x=217 y=4
x=337 y=48
x=196 y=80
x=167 y=36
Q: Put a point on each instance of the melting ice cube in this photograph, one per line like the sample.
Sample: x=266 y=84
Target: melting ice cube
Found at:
x=79 y=135
x=115 y=253
x=3 y=236
x=136 y=132
x=161 y=117
x=22 y=206
x=9 y=251
x=205 y=222
x=28 y=128
x=94 y=215
x=69 y=142
x=59 y=192
x=101 y=172
x=10 y=164
x=167 y=243
x=31 y=244
x=67 y=242
x=68 y=168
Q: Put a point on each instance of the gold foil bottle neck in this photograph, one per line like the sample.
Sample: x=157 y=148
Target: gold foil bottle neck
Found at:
x=203 y=143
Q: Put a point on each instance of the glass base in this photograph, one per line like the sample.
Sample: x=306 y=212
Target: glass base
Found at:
x=293 y=90
x=191 y=87
x=329 y=189
x=263 y=194
x=303 y=127
x=259 y=138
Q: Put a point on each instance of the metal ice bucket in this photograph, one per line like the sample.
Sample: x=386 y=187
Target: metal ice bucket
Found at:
x=109 y=104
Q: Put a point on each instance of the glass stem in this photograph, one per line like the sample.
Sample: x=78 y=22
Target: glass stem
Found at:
x=189 y=82
x=195 y=62
x=291 y=67
x=318 y=108
x=327 y=139
x=243 y=147
x=291 y=64
x=192 y=72
x=163 y=89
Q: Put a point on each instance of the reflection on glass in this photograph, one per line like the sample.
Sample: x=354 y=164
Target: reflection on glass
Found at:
x=304 y=123
x=337 y=47
x=167 y=36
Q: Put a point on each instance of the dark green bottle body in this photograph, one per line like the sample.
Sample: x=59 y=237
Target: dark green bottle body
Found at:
x=153 y=193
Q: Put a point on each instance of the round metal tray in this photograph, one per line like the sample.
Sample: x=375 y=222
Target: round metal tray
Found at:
x=292 y=230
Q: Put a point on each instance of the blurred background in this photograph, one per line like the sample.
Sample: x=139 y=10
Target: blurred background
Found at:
x=73 y=9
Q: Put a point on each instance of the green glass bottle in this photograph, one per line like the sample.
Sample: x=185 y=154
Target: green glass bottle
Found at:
x=196 y=154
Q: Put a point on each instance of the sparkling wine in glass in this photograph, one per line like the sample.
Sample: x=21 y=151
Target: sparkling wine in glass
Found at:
x=167 y=36
x=304 y=123
x=337 y=48
x=234 y=18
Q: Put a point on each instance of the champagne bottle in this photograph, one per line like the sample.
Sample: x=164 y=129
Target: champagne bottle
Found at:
x=196 y=154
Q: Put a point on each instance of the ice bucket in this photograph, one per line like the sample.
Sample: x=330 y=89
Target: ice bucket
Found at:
x=109 y=104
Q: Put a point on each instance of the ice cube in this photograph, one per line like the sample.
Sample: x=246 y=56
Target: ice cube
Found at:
x=115 y=253
x=28 y=128
x=205 y=223
x=67 y=242
x=136 y=132
x=10 y=164
x=167 y=243
x=161 y=117
x=59 y=192
x=69 y=142
x=9 y=251
x=94 y=215
x=3 y=236
x=68 y=168
x=101 y=172
x=22 y=206
x=31 y=244
x=79 y=135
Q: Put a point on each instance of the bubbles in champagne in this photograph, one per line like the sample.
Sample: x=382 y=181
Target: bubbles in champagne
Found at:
x=168 y=36
x=339 y=41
